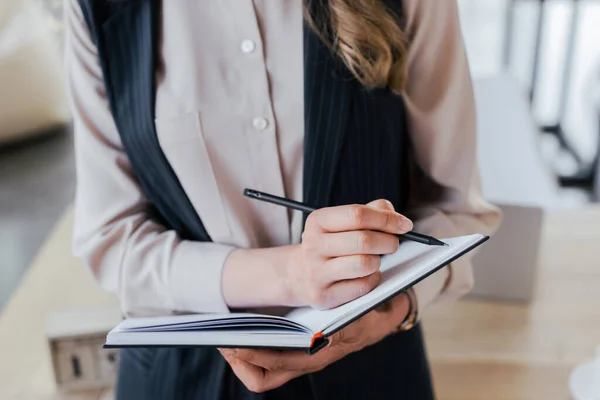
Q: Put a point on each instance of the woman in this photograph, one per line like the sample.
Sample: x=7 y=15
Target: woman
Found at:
x=361 y=107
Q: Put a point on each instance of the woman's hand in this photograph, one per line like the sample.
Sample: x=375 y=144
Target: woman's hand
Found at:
x=338 y=260
x=262 y=370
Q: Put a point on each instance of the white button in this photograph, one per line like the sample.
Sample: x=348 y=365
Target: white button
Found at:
x=247 y=46
x=260 y=123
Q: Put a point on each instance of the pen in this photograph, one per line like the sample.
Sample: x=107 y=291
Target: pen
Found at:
x=296 y=205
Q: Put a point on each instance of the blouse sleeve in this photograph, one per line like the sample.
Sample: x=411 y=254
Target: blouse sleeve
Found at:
x=150 y=268
x=446 y=199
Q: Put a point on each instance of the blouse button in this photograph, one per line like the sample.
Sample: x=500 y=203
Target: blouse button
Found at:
x=247 y=46
x=260 y=123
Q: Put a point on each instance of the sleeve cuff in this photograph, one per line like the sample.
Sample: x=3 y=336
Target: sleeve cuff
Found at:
x=428 y=290
x=451 y=282
x=441 y=285
x=196 y=277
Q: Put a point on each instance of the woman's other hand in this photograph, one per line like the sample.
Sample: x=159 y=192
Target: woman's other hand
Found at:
x=339 y=258
x=262 y=370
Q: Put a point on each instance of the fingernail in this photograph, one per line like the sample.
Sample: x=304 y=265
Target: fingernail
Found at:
x=228 y=352
x=406 y=224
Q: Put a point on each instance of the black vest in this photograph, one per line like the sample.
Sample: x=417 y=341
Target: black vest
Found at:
x=355 y=151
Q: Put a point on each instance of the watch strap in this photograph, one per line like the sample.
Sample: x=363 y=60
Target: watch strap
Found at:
x=413 y=310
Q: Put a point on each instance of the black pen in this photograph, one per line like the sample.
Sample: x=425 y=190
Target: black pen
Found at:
x=296 y=205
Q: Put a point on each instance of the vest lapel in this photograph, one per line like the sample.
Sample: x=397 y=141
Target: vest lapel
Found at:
x=328 y=90
x=126 y=34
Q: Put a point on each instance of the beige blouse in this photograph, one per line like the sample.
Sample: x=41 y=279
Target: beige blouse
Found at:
x=229 y=115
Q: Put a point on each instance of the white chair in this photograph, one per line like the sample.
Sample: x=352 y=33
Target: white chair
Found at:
x=515 y=178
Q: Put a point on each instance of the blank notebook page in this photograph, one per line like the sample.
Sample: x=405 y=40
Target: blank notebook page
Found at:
x=399 y=270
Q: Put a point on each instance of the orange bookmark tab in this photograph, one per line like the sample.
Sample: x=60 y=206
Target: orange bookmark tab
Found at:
x=317 y=336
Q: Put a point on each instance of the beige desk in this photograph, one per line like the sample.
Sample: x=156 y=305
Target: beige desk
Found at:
x=479 y=350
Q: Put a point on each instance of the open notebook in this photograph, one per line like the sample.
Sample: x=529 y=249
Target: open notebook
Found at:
x=301 y=328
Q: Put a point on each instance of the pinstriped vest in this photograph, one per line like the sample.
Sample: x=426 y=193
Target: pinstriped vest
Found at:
x=355 y=151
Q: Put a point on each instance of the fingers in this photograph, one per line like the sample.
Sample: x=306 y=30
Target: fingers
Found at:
x=343 y=279
x=281 y=361
x=359 y=217
x=256 y=378
x=273 y=360
x=382 y=204
x=339 y=255
x=357 y=242
x=350 y=267
x=343 y=292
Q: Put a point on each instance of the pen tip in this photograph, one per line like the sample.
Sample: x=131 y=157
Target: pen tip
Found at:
x=250 y=193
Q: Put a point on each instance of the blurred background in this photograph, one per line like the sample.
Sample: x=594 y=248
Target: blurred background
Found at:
x=530 y=328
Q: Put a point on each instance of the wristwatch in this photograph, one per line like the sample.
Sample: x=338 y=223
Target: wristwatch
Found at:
x=413 y=312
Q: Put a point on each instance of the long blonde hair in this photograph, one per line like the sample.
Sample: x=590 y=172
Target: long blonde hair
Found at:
x=367 y=37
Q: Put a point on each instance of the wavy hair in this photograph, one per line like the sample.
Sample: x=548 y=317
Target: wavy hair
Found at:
x=366 y=35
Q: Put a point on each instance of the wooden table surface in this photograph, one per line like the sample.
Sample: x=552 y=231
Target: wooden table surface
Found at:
x=478 y=349
x=55 y=281
x=483 y=350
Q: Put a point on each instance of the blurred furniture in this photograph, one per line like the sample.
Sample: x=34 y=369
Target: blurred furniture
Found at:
x=515 y=178
x=596 y=193
x=33 y=98
x=76 y=338
x=595 y=99
x=478 y=350
x=585 y=176
x=55 y=281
